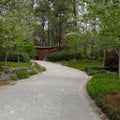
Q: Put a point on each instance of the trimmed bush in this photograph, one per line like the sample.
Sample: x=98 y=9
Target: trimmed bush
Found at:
x=63 y=56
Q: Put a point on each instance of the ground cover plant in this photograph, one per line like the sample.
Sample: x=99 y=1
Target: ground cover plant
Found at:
x=104 y=87
x=18 y=64
x=105 y=90
x=82 y=65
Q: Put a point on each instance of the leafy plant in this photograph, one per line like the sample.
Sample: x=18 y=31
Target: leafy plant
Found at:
x=63 y=56
x=23 y=73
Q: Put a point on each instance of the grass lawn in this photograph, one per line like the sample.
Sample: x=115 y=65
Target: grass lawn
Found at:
x=16 y=64
x=82 y=64
x=104 y=88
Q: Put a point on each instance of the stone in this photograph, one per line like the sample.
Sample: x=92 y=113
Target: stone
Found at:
x=10 y=70
x=33 y=69
x=5 y=76
x=13 y=76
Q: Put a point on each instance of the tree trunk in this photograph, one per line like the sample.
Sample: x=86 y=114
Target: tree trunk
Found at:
x=48 y=33
x=104 y=56
x=75 y=52
x=5 y=62
x=85 y=49
x=92 y=53
x=119 y=63
x=48 y=25
x=18 y=56
x=43 y=32
x=74 y=9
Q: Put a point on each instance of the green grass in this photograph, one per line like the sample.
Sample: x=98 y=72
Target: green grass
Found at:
x=22 y=74
x=16 y=64
x=23 y=70
x=25 y=65
x=82 y=64
x=101 y=85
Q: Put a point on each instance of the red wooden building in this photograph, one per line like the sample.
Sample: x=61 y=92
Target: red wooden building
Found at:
x=41 y=51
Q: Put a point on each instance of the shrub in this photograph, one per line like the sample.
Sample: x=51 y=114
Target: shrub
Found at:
x=22 y=73
x=112 y=59
x=23 y=57
x=63 y=56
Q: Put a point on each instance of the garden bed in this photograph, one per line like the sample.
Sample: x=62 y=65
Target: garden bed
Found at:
x=16 y=71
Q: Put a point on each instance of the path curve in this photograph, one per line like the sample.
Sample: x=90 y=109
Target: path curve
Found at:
x=56 y=94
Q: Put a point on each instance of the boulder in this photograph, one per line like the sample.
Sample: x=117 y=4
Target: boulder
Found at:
x=5 y=76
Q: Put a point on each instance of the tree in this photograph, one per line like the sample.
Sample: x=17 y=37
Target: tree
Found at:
x=72 y=40
x=108 y=15
x=54 y=20
x=16 y=27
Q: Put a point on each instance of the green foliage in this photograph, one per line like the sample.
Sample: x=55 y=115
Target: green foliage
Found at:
x=95 y=72
x=23 y=73
x=99 y=86
x=20 y=64
x=72 y=40
x=60 y=17
x=82 y=65
x=63 y=56
x=23 y=57
x=15 y=32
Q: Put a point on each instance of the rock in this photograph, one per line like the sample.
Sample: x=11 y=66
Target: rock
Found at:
x=5 y=76
x=33 y=69
x=10 y=70
x=13 y=76
x=32 y=63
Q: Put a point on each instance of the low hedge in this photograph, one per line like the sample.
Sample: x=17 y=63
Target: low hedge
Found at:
x=23 y=57
x=63 y=56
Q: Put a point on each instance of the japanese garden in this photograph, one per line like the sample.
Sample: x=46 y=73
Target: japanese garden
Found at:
x=82 y=34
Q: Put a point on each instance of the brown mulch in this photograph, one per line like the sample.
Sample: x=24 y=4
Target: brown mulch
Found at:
x=113 y=101
x=4 y=83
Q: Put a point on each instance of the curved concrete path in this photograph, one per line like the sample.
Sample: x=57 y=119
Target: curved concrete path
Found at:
x=52 y=95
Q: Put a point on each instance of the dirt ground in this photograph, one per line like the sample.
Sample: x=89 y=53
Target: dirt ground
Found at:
x=4 y=83
x=113 y=101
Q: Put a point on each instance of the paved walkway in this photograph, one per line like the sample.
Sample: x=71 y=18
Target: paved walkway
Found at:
x=52 y=95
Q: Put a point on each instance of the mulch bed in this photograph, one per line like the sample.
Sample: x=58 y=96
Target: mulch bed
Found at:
x=113 y=101
x=4 y=83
